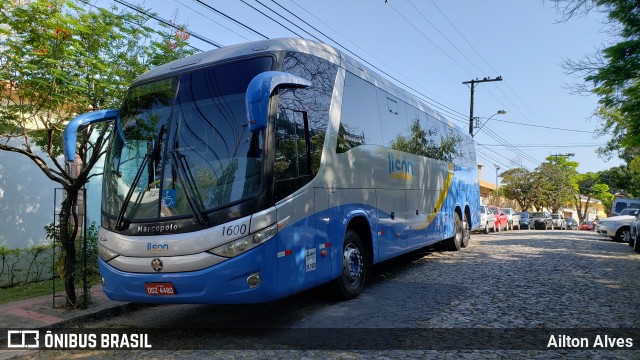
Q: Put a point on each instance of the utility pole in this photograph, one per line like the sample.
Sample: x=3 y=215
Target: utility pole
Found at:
x=562 y=155
x=472 y=87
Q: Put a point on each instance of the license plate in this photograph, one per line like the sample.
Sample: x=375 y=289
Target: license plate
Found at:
x=160 y=289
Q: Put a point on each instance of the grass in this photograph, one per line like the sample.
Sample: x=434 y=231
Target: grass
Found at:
x=31 y=290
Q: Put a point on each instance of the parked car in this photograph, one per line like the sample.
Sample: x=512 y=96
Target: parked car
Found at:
x=540 y=220
x=501 y=223
x=524 y=220
x=587 y=225
x=572 y=224
x=559 y=222
x=634 y=238
x=629 y=211
x=620 y=204
x=513 y=219
x=618 y=228
x=487 y=220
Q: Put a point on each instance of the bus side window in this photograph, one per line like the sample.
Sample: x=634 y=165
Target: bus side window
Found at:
x=292 y=165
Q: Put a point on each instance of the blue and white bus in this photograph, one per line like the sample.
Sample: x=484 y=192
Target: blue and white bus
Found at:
x=252 y=172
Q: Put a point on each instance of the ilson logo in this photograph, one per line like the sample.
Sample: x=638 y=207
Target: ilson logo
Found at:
x=157 y=247
x=400 y=169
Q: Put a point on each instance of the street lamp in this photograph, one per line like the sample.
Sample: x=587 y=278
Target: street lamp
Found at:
x=497 y=188
x=499 y=112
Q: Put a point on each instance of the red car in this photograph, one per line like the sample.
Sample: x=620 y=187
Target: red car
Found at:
x=502 y=221
x=586 y=225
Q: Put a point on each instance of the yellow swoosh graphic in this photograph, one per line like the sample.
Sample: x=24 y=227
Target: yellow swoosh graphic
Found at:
x=440 y=202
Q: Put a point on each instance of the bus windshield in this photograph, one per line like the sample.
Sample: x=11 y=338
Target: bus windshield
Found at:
x=188 y=149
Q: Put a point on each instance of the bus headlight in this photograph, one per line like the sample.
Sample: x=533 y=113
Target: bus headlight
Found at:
x=237 y=247
x=106 y=254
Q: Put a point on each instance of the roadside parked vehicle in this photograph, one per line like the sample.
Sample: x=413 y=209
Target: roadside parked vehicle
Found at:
x=587 y=225
x=629 y=211
x=634 y=242
x=620 y=204
x=572 y=224
x=513 y=219
x=501 y=223
x=540 y=220
x=618 y=228
x=559 y=222
x=634 y=236
x=524 y=220
x=487 y=220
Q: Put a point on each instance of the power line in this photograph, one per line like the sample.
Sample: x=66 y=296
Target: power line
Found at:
x=492 y=68
x=230 y=18
x=549 y=127
x=272 y=19
x=546 y=146
x=367 y=62
x=210 y=19
x=355 y=44
x=168 y=23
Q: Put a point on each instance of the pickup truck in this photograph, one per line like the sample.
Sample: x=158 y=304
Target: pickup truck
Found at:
x=513 y=218
x=559 y=222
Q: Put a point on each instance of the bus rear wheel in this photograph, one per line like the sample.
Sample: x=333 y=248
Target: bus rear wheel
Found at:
x=454 y=243
x=466 y=232
x=354 y=268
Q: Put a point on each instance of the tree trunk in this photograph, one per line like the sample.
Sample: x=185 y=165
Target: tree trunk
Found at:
x=68 y=233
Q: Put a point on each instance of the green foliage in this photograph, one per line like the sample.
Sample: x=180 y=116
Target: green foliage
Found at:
x=553 y=185
x=61 y=58
x=12 y=264
x=30 y=290
x=520 y=185
x=613 y=74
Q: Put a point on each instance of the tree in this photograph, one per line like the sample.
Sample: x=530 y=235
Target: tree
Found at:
x=520 y=185
x=588 y=185
x=59 y=59
x=613 y=73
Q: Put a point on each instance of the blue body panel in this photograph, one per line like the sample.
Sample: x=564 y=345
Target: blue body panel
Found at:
x=292 y=260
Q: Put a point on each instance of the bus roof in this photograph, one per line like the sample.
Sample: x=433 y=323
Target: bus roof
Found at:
x=312 y=47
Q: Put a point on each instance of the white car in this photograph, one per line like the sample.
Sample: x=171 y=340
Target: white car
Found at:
x=513 y=218
x=559 y=222
x=487 y=220
x=617 y=228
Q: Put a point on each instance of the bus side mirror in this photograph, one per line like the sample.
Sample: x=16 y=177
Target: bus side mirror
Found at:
x=71 y=130
x=259 y=91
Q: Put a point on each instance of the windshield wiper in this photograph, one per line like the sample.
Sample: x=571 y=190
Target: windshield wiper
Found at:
x=127 y=198
x=190 y=189
x=154 y=154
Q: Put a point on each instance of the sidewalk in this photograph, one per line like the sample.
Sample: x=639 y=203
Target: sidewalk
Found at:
x=38 y=312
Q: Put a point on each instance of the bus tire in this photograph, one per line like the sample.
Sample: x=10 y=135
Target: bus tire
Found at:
x=454 y=243
x=354 y=267
x=466 y=232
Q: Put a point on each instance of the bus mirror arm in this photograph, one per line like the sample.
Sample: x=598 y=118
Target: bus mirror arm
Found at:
x=259 y=91
x=71 y=130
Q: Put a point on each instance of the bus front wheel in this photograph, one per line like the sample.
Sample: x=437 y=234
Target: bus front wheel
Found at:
x=354 y=267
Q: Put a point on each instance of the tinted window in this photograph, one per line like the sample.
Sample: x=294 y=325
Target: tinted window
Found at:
x=301 y=123
x=359 y=112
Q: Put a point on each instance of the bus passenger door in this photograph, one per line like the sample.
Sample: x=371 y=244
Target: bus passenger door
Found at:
x=297 y=252
x=392 y=222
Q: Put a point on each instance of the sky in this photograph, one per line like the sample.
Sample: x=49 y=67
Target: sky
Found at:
x=433 y=46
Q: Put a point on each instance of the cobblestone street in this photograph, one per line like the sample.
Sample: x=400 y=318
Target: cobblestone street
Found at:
x=510 y=280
